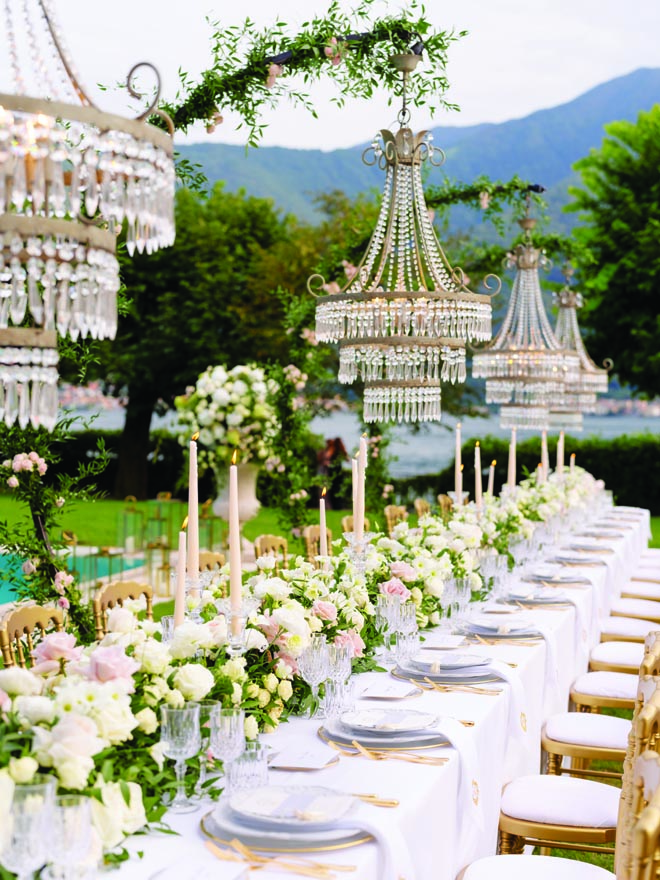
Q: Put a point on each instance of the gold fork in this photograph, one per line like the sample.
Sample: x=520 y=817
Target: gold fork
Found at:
x=462 y=688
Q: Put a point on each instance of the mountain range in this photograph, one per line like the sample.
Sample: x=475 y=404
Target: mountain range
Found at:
x=540 y=147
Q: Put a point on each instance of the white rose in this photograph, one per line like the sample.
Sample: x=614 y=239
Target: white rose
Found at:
x=188 y=638
x=255 y=640
x=147 y=720
x=157 y=753
x=251 y=727
x=194 y=681
x=235 y=669
x=153 y=656
x=115 y=720
x=272 y=586
x=174 y=699
x=34 y=710
x=236 y=693
x=113 y=818
x=263 y=698
x=266 y=563
x=285 y=690
x=16 y=680
x=120 y=620
x=22 y=770
x=435 y=586
x=270 y=682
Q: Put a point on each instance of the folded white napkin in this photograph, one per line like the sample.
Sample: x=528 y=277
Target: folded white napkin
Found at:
x=470 y=810
x=517 y=711
x=394 y=860
x=550 y=652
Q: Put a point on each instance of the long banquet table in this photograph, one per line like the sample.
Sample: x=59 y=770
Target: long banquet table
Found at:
x=430 y=834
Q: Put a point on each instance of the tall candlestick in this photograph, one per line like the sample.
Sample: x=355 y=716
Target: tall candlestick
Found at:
x=180 y=595
x=235 y=579
x=545 y=460
x=491 y=478
x=539 y=474
x=358 y=525
x=354 y=473
x=458 y=469
x=192 y=564
x=572 y=462
x=477 y=474
x=560 y=453
x=511 y=477
x=323 y=537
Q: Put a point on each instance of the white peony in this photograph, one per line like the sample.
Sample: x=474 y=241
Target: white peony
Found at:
x=194 y=681
x=34 y=710
x=153 y=657
x=255 y=640
x=69 y=747
x=115 y=720
x=22 y=770
x=120 y=620
x=16 y=680
x=272 y=586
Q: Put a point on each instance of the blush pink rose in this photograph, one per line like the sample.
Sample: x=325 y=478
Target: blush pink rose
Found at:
x=57 y=646
x=5 y=701
x=394 y=587
x=403 y=570
x=108 y=664
x=353 y=638
x=324 y=610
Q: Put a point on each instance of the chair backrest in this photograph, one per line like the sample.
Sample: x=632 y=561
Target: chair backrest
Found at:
x=394 y=514
x=17 y=630
x=208 y=560
x=644 y=842
x=446 y=504
x=117 y=593
x=347 y=523
x=422 y=507
x=273 y=545
x=312 y=539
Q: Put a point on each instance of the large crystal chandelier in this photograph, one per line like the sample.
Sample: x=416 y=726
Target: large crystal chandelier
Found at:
x=580 y=396
x=525 y=367
x=403 y=318
x=70 y=176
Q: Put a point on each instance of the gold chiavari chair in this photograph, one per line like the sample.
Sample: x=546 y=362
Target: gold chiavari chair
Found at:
x=422 y=507
x=394 y=514
x=644 y=838
x=117 y=593
x=446 y=504
x=586 y=737
x=18 y=628
x=347 y=524
x=273 y=545
x=209 y=560
x=312 y=539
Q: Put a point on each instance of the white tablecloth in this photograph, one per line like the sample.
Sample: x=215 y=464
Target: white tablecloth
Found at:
x=425 y=827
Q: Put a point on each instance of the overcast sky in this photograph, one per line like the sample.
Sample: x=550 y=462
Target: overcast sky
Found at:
x=519 y=56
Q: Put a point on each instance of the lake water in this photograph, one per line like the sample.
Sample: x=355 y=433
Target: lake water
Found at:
x=432 y=448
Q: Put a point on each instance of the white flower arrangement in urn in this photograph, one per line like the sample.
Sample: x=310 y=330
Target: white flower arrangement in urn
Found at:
x=231 y=411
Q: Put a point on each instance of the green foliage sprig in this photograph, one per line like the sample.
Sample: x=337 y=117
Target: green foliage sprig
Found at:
x=243 y=55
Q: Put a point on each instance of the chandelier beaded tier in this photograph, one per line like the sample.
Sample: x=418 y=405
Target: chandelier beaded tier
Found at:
x=579 y=397
x=525 y=367
x=70 y=176
x=404 y=316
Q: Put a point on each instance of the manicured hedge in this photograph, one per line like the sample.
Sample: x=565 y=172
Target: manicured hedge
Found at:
x=629 y=465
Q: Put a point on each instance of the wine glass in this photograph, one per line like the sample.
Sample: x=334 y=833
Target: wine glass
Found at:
x=72 y=836
x=387 y=610
x=26 y=837
x=180 y=737
x=313 y=667
x=407 y=640
x=206 y=708
x=227 y=736
x=339 y=670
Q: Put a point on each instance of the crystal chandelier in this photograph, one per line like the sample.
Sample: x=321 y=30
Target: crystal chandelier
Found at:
x=525 y=367
x=580 y=396
x=403 y=318
x=70 y=176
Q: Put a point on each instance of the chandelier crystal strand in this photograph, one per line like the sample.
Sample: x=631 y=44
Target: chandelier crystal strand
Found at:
x=404 y=316
x=70 y=176
x=525 y=367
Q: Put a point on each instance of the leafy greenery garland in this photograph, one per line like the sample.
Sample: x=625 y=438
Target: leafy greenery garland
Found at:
x=243 y=79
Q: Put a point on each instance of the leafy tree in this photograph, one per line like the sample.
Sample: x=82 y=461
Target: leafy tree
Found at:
x=619 y=203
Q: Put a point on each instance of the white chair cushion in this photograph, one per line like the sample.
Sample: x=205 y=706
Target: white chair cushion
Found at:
x=534 y=868
x=627 y=626
x=607 y=684
x=562 y=800
x=622 y=653
x=585 y=729
x=645 y=608
x=642 y=588
x=651 y=553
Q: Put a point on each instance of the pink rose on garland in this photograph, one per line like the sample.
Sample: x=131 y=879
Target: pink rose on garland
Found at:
x=403 y=570
x=108 y=664
x=353 y=638
x=54 y=650
x=394 y=587
x=324 y=610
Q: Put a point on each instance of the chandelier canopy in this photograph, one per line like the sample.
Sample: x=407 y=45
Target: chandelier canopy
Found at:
x=70 y=176
x=404 y=316
x=525 y=367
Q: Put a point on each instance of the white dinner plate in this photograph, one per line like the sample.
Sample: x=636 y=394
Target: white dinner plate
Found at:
x=388 y=721
x=547 y=596
x=427 y=661
x=289 y=806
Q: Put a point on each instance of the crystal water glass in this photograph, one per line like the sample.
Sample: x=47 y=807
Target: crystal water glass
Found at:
x=250 y=768
x=495 y=569
x=407 y=637
x=461 y=592
x=181 y=739
x=339 y=669
x=206 y=708
x=313 y=666
x=167 y=628
x=227 y=737
x=26 y=837
x=387 y=620
x=72 y=836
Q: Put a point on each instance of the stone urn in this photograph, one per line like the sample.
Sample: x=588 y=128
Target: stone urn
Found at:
x=248 y=504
